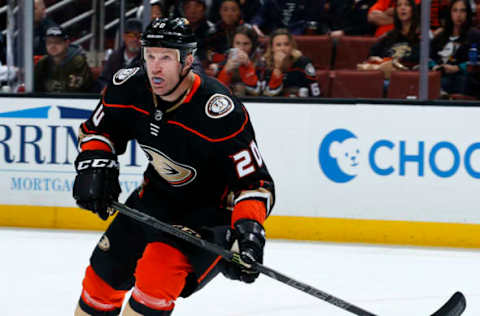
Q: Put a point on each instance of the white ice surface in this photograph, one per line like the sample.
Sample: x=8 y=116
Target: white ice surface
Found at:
x=41 y=273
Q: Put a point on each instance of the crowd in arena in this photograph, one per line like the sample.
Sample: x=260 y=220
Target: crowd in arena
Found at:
x=251 y=45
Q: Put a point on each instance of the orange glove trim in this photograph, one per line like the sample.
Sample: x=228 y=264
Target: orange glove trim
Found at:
x=96 y=145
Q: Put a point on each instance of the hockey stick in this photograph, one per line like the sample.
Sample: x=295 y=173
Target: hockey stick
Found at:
x=453 y=307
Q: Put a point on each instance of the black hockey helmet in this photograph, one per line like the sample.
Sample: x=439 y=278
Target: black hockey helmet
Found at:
x=170 y=33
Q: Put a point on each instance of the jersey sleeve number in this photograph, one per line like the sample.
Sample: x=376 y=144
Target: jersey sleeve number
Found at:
x=98 y=115
x=315 y=89
x=244 y=162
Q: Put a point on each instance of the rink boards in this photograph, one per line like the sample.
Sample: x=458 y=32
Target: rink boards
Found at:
x=343 y=172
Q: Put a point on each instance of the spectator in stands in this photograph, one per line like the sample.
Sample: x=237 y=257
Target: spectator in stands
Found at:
x=222 y=39
x=173 y=8
x=195 y=12
x=238 y=71
x=381 y=15
x=249 y=9
x=128 y=55
x=288 y=72
x=297 y=16
x=449 y=49
x=438 y=15
x=157 y=9
x=65 y=67
x=349 y=17
x=399 y=48
x=41 y=24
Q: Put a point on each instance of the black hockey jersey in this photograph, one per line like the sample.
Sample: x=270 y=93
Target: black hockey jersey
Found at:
x=300 y=75
x=202 y=151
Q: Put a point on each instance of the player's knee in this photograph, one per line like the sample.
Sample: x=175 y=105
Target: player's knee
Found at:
x=160 y=277
x=98 y=298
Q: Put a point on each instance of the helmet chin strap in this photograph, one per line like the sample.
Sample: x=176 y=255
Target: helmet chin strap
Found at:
x=180 y=80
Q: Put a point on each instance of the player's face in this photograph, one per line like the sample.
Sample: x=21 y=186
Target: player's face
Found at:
x=56 y=46
x=458 y=13
x=163 y=68
x=243 y=42
x=282 y=43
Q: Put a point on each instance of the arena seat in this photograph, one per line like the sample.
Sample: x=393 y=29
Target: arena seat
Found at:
x=460 y=96
x=323 y=79
x=405 y=85
x=352 y=50
x=316 y=47
x=357 y=84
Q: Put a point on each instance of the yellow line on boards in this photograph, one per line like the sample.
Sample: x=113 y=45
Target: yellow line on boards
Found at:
x=284 y=227
x=50 y=217
x=374 y=231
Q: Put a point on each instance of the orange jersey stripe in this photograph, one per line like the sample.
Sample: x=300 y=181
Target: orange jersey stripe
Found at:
x=89 y=131
x=196 y=84
x=212 y=140
x=247 y=73
x=302 y=70
x=125 y=107
x=275 y=81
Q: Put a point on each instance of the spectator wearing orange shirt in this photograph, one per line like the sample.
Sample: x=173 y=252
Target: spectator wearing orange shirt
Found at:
x=381 y=15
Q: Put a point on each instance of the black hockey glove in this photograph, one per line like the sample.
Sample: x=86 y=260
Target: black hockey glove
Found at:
x=96 y=184
x=248 y=240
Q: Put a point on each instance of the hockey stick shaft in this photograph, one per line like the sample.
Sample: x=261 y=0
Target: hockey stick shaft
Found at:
x=230 y=256
x=453 y=307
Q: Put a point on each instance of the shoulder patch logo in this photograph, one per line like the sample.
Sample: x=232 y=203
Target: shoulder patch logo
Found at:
x=218 y=106
x=310 y=70
x=123 y=74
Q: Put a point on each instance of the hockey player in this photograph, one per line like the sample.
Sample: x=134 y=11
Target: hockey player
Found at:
x=205 y=175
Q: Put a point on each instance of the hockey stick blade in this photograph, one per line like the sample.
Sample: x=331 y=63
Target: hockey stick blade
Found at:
x=454 y=307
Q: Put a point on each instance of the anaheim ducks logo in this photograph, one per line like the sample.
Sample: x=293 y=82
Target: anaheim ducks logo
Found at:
x=400 y=50
x=123 y=74
x=176 y=174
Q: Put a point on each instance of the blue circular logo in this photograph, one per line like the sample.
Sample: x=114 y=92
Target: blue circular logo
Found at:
x=338 y=155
